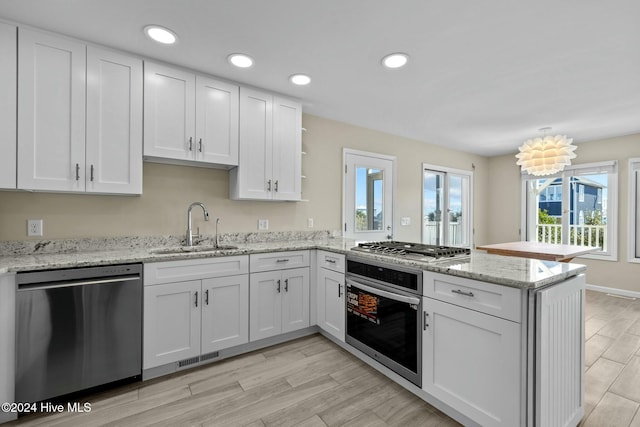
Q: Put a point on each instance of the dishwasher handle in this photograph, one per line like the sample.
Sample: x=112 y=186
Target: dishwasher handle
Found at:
x=55 y=285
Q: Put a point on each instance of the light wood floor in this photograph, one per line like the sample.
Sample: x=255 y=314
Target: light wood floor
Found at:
x=312 y=382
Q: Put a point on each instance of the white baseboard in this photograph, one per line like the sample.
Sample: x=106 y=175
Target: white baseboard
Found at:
x=613 y=291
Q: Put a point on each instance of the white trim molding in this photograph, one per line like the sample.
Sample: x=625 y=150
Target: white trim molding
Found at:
x=613 y=291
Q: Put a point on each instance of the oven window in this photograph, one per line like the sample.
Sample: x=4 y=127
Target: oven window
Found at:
x=387 y=326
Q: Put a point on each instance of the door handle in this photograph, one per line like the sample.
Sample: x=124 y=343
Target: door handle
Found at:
x=77 y=171
x=269 y=185
x=339 y=290
x=206 y=297
x=190 y=143
x=91 y=173
x=196 y=298
x=276 y=186
x=426 y=320
x=286 y=285
x=278 y=288
x=200 y=145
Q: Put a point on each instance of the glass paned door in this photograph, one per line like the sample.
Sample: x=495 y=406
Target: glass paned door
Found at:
x=446 y=210
x=368 y=196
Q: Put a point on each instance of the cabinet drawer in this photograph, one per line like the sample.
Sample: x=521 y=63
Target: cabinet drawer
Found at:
x=496 y=300
x=331 y=260
x=193 y=269
x=278 y=261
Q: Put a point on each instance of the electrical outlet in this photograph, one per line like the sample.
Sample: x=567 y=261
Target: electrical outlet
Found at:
x=405 y=220
x=310 y=222
x=263 y=224
x=34 y=227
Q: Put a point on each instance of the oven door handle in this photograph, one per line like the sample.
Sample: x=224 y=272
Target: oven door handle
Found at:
x=385 y=294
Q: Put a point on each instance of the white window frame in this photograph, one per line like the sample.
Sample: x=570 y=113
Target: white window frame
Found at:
x=634 y=209
x=446 y=170
x=612 y=205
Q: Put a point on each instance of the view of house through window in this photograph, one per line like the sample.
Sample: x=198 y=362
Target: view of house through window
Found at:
x=576 y=207
x=446 y=206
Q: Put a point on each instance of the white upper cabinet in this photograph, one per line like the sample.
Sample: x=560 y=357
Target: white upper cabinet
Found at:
x=189 y=119
x=8 y=82
x=79 y=117
x=114 y=123
x=270 y=148
x=51 y=112
x=216 y=122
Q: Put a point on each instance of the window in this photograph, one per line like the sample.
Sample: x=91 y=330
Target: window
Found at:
x=634 y=210
x=583 y=210
x=446 y=206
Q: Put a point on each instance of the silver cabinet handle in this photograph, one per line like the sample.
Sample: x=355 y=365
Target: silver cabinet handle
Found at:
x=91 y=173
x=77 y=172
x=339 y=290
x=190 y=143
x=286 y=285
x=276 y=183
x=200 y=145
x=196 y=298
x=278 y=288
x=426 y=320
x=460 y=292
x=206 y=297
x=269 y=185
x=281 y=260
x=330 y=261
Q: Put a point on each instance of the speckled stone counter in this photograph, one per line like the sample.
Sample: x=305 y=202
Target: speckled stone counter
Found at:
x=516 y=272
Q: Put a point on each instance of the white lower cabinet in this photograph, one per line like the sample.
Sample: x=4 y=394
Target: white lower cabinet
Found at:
x=279 y=302
x=171 y=323
x=279 y=296
x=184 y=319
x=225 y=312
x=472 y=362
x=330 y=294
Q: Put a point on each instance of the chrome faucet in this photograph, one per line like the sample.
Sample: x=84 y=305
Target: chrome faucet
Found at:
x=189 y=230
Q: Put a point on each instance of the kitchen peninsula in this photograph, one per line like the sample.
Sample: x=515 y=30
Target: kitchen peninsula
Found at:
x=489 y=316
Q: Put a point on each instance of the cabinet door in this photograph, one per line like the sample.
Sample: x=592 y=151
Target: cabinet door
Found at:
x=265 y=303
x=171 y=323
x=114 y=122
x=330 y=302
x=295 y=299
x=7 y=342
x=287 y=149
x=51 y=112
x=216 y=122
x=225 y=312
x=472 y=362
x=169 y=112
x=252 y=178
x=8 y=101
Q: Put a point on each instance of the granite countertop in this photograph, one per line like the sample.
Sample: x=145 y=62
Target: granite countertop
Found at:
x=515 y=272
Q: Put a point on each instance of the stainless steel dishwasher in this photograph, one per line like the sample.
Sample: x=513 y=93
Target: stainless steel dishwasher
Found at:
x=77 y=329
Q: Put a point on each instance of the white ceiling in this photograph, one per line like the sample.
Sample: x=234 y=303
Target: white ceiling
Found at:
x=483 y=75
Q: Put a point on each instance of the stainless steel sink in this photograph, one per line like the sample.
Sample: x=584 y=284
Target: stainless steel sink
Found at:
x=190 y=249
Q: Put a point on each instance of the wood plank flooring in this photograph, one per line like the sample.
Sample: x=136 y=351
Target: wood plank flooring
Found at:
x=306 y=382
x=312 y=382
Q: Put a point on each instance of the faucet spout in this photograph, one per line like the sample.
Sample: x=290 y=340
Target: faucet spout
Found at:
x=189 y=240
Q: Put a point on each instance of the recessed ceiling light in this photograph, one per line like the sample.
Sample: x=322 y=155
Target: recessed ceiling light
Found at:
x=395 y=60
x=300 y=79
x=240 y=60
x=161 y=34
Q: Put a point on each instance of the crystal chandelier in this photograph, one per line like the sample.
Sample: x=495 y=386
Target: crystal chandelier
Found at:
x=546 y=155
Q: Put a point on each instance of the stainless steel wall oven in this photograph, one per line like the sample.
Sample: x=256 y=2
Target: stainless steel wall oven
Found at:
x=384 y=314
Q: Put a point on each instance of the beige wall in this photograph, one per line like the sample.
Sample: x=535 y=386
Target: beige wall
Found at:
x=505 y=199
x=168 y=190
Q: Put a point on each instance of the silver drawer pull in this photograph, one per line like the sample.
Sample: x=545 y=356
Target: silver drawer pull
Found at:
x=282 y=260
x=330 y=261
x=458 y=291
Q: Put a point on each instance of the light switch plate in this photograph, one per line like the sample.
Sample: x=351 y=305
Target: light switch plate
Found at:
x=405 y=220
x=263 y=224
x=310 y=222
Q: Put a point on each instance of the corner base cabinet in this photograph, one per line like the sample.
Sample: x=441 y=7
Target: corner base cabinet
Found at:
x=194 y=307
x=279 y=293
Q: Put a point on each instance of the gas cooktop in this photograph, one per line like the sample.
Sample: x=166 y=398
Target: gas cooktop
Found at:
x=410 y=250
